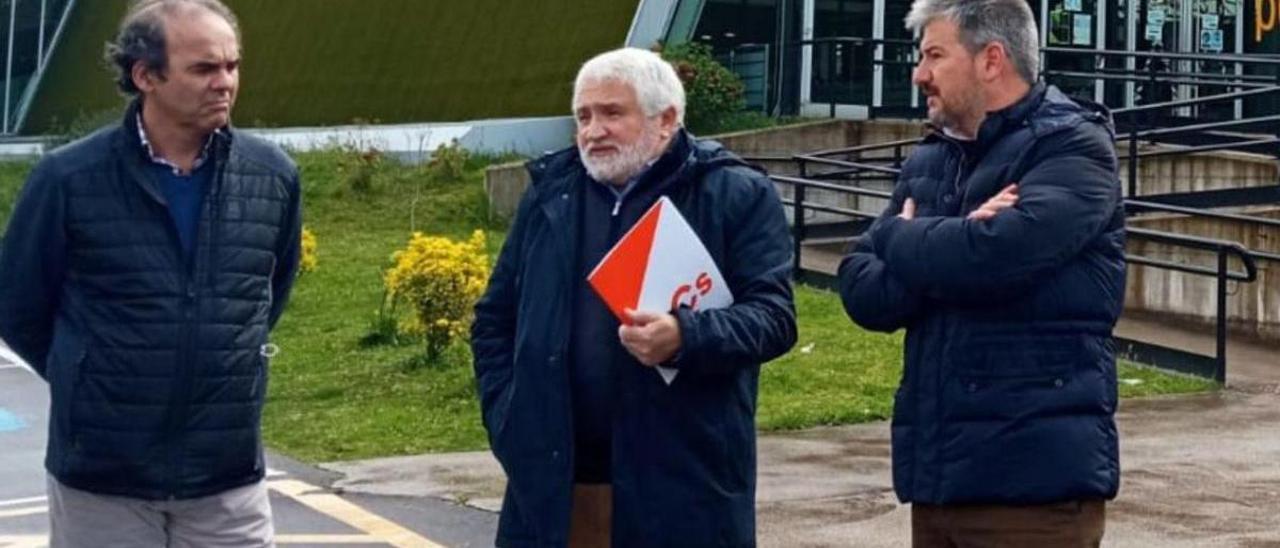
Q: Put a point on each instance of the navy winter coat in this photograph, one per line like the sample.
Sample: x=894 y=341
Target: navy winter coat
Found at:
x=683 y=464
x=1009 y=388
x=154 y=364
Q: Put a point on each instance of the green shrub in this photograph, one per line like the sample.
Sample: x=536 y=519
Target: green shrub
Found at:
x=713 y=93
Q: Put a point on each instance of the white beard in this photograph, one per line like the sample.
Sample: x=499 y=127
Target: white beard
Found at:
x=627 y=162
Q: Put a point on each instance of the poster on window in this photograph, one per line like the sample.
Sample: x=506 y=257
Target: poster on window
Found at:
x=1209 y=21
x=1211 y=41
x=1082 y=30
x=1230 y=8
x=1155 y=16
x=1073 y=5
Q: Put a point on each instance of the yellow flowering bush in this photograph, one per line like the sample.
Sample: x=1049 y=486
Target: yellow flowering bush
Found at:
x=440 y=280
x=308 y=261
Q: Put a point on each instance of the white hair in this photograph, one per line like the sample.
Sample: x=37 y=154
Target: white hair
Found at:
x=981 y=22
x=654 y=80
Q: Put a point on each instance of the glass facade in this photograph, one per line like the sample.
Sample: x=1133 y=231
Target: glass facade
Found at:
x=30 y=27
x=854 y=58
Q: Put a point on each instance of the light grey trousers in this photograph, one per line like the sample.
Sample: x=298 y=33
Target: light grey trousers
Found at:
x=238 y=518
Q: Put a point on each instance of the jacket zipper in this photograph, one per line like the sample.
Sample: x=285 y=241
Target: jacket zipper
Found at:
x=180 y=403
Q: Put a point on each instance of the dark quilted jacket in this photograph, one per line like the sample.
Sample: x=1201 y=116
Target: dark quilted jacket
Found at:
x=155 y=365
x=1009 y=388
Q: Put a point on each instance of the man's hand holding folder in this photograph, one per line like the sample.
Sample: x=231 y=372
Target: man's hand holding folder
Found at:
x=657 y=266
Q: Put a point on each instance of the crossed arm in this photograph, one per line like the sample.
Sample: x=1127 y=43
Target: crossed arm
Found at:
x=998 y=251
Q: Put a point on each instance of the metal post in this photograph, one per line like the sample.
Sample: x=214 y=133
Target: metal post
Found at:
x=40 y=39
x=831 y=74
x=797 y=221
x=1133 y=159
x=1221 y=356
x=8 y=69
x=1277 y=99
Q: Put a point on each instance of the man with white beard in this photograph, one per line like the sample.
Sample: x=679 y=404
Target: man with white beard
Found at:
x=598 y=449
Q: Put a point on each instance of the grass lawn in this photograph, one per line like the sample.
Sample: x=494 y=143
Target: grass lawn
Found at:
x=333 y=398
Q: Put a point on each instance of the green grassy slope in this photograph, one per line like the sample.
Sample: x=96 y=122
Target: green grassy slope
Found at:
x=324 y=62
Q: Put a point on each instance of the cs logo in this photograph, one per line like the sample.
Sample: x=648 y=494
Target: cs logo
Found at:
x=685 y=293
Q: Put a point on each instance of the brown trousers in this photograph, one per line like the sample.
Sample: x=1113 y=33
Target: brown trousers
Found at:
x=1077 y=524
x=592 y=517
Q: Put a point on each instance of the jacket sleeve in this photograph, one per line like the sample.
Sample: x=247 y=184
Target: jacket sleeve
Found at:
x=288 y=253
x=873 y=297
x=1064 y=201
x=761 y=323
x=493 y=330
x=33 y=262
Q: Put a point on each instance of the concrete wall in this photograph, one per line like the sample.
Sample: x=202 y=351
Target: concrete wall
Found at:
x=505 y=183
x=1252 y=308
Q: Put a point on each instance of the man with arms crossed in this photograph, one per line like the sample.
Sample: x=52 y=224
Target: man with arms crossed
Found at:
x=1002 y=254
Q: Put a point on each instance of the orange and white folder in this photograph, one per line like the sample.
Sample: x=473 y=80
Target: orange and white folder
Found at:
x=659 y=265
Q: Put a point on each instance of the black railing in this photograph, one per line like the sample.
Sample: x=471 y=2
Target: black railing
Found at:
x=853 y=171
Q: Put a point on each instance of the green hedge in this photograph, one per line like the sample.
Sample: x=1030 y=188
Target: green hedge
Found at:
x=325 y=62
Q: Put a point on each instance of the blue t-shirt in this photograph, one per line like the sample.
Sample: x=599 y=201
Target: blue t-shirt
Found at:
x=185 y=195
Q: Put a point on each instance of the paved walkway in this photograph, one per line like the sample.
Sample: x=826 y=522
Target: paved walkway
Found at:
x=307 y=514
x=1199 y=471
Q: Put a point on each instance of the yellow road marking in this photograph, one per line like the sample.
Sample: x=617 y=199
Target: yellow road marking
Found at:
x=19 y=502
x=334 y=506
x=23 y=541
x=18 y=512
x=326 y=539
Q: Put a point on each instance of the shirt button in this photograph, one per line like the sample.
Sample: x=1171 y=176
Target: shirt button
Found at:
x=1058 y=383
x=973 y=387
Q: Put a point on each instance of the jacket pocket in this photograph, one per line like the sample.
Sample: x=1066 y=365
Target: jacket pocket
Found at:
x=67 y=357
x=497 y=408
x=1008 y=377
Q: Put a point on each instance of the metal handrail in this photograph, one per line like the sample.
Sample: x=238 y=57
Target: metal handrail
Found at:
x=1225 y=58
x=1222 y=248
x=1246 y=257
x=1233 y=145
x=856 y=191
x=865 y=148
x=1146 y=134
x=843 y=163
x=1217 y=78
x=1165 y=78
x=1197 y=101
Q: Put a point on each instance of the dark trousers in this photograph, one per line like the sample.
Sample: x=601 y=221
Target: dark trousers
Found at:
x=592 y=517
x=1076 y=524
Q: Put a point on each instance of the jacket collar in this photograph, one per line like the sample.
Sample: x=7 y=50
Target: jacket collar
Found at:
x=998 y=123
x=135 y=156
x=132 y=140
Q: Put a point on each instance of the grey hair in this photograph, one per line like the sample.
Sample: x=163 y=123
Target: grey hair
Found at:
x=981 y=22
x=142 y=37
x=654 y=80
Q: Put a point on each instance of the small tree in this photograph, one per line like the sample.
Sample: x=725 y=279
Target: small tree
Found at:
x=440 y=280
